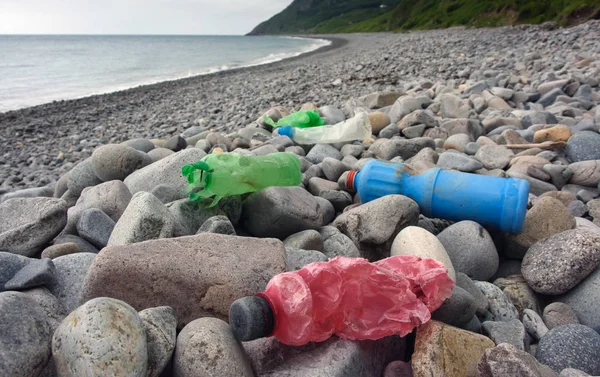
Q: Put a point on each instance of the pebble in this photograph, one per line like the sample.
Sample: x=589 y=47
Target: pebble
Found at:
x=82 y=245
x=417 y=241
x=160 y=327
x=570 y=346
x=583 y=299
x=511 y=332
x=27 y=225
x=352 y=150
x=332 y=115
x=175 y=143
x=189 y=216
x=584 y=146
x=494 y=156
x=217 y=224
x=116 y=161
x=379 y=120
x=586 y=173
x=95 y=227
x=70 y=273
x=457 y=310
x=82 y=176
x=520 y=294
x=25 y=340
x=556 y=133
x=471 y=249
x=457 y=142
x=319 y=152
x=559 y=314
x=413 y=131
x=60 y=249
x=481 y=301
x=104 y=336
x=145 y=218
x=142 y=145
x=295 y=258
x=500 y=306
x=335 y=243
x=206 y=346
x=506 y=360
x=317 y=185
x=559 y=174
x=458 y=161
x=572 y=372
x=11 y=264
x=556 y=264
x=534 y=324
x=398 y=369
x=333 y=168
x=37 y=273
x=577 y=208
x=28 y=193
x=306 y=240
x=339 y=199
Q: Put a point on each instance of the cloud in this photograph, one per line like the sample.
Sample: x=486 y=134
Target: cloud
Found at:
x=135 y=16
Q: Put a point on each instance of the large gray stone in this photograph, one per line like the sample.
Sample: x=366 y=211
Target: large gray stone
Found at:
x=494 y=156
x=570 y=346
x=24 y=336
x=166 y=171
x=198 y=276
x=306 y=240
x=33 y=192
x=70 y=272
x=556 y=264
x=583 y=146
x=500 y=307
x=377 y=223
x=505 y=360
x=11 y=264
x=471 y=249
x=28 y=224
x=458 y=161
x=95 y=227
x=116 y=161
x=207 y=347
x=160 y=326
x=332 y=115
x=333 y=168
x=295 y=258
x=145 y=218
x=82 y=176
x=511 y=332
x=481 y=301
x=584 y=299
x=103 y=337
x=453 y=107
x=37 y=273
x=336 y=243
x=55 y=311
x=282 y=211
x=333 y=358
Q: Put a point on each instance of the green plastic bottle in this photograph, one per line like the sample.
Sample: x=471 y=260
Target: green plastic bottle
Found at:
x=299 y=119
x=226 y=174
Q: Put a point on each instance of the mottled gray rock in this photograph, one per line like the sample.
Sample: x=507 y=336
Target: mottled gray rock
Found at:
x=352 y=150
x=104 y=336
x=82 y=176
x=536 y=186
x=453 y=107
x=142 y=145
x=145 y=218
x=116 y=161
x=36 y=273
x=281 y=211
x=319 y=152
x=413 y=131
x=457 y=310
x=494 y=156
x=505 y=360
x=481 y=301
x=11 y=264
x=306 y=240
x=398 y=369
x=471 y=127
x=387 y=149
x=572 y=372
x=59 y=250
x=560 y=174
x=335 y=243
x=472 y=148
x=519 y=293
x=217 y=224
x=95 y=227
x=333 y=168
x=295 y=258
x=166 y=171
x=559 y=314
x=549 y=98
x=379 y=221
x=584 y=146
x=70 y=272
x=577 y=208
x=458 y=161
x=586 y=224
x=418 y=117
x=317 y=185
x=34 y=192
x=556 y=264
x=159 y=153
x=417 y=241
x=511 y=332
x=55 y=311
x=570 y=346
x=339 y=199
x=457 y=142
x=25 y=340
x=534 y=324
x=586 y=173
x=175 y=143
x=471 y=249
x=160 y=327
x=500 y=307
x=189 y=216
x=28 y=224
x=333 y=358
x=402 y=107
x=207 y=347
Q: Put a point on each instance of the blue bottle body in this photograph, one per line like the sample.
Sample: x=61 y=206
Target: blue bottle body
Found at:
x=490 y=201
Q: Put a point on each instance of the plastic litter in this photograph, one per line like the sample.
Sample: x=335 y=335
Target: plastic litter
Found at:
x=226 y=174
x=299 y=119
x=349 y=297
x=490 y=201
x=357 y=128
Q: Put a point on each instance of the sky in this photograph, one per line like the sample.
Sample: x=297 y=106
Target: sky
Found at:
x=205 y=17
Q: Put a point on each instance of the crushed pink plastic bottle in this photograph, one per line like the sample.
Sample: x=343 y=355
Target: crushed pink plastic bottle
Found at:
x=355 y=299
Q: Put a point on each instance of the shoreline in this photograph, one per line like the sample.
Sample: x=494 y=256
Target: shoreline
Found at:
x=336 y=42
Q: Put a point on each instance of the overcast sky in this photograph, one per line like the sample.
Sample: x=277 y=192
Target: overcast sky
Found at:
x=135 y=16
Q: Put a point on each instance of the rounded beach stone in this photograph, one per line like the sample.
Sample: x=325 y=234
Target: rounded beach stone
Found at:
x=306 y=240
x=511 y=332
x=558 y=263
x=417 y=241
x=519 y=293
x=471 y=249
x=458 y=142
x=217 y=224
x=500 y=307
x=175 y=143
x=559 y=314
x=295 y=258
x=570 y=346
x=457 y=310
x=534 y=324
x=142 y=145
x=556 y=133
x=379 y=120
x=583 y=146
x=586 y=173
x=102 y=337
x=117 y=161
x=494 y=156
x=160 y=326
x=207 y=347
x=82 y=176
x=25 y=336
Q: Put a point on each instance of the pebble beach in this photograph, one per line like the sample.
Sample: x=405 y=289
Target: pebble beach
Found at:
x=108 y=268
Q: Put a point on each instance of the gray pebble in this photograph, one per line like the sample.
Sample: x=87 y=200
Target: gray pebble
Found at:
x=37 y=273
x=570 y=346
x=95 y=227
x=160 y=327
x=217 y=224
x=295 y=258
x=500 y=307
x=511 y=332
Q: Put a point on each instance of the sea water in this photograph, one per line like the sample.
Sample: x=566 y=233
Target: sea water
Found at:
x=37 y=69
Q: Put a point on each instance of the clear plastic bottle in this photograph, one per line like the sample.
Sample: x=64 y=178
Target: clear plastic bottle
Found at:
x=357 y=128
x=349 y=297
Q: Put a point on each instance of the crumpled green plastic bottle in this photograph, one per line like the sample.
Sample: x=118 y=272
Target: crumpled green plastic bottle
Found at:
x=299 y=119
x=227 y=174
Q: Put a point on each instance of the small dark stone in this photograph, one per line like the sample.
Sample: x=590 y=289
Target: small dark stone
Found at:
x=175 y=143
x=37 y=273
x=95 y=227
x=217 y=224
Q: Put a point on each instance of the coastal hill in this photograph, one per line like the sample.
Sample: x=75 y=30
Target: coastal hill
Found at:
x=347 y=16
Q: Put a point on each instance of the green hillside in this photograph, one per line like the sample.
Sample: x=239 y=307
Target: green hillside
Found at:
x=339 y=16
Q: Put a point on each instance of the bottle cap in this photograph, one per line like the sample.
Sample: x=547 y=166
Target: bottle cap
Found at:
x=350 y=179
x=286 y=131
x=251 y=318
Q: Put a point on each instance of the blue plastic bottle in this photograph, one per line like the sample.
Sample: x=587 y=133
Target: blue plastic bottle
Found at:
x=490 y=201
